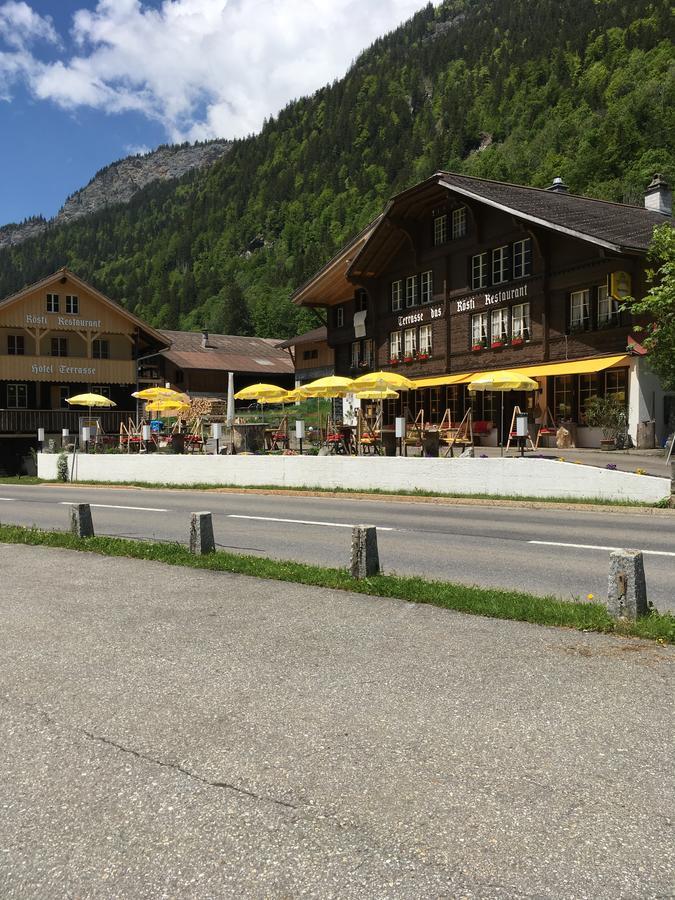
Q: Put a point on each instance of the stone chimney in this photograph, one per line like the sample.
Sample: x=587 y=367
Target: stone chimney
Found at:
x=558 y=186
x=659 y=197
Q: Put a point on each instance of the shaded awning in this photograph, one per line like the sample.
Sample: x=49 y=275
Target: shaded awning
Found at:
x=541 y=370
x=574 y=367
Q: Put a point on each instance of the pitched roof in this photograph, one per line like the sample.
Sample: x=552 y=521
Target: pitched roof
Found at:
x=309 y=337
x=227 y=352
x=616 y=226
x=158 y=336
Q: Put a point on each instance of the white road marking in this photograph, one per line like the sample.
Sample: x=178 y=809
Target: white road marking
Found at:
x=304 y=522
x=112 y=506
x=597 y=547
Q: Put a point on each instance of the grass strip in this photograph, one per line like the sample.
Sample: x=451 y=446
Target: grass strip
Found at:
x=489 y=602
x=318 y=489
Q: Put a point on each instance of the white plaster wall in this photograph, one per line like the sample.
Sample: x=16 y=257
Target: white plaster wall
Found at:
x=645 y=399
x=498 y=477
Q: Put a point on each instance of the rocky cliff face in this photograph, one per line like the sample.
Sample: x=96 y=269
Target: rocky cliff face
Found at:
x=118 y=182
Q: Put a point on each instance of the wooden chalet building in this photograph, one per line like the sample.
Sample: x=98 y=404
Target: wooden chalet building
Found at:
x=60 y=337
x=462 y=275
x=311 y=355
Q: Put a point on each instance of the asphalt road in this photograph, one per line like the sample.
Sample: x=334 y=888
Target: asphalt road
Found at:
x=189 y=734
x=545 y=551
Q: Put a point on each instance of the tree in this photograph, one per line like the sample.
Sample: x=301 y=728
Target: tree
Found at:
x=659 y=305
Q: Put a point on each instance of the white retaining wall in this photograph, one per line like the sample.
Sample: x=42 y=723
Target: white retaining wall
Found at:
x=498 y=477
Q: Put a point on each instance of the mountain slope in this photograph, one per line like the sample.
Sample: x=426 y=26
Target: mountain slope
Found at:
x=506 y=89
x=119 y=182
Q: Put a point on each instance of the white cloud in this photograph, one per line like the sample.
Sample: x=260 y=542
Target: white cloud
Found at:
x=20 y=26
x=203 y=68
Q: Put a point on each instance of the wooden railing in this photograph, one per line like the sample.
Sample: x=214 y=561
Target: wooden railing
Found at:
x=27 y=421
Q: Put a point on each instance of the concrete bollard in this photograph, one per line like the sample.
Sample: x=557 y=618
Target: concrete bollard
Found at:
x=627 y=588
x=201 y=533
x=365 y=559
x=81 y=524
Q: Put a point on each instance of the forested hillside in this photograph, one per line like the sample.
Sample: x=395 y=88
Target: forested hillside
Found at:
x=519 y=90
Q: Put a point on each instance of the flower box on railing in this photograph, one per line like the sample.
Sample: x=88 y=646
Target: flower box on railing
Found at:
x=423 y=357
x=394 y=361
x=497 y=345
x=476 y=348
x=517 y=341
x=408 y=359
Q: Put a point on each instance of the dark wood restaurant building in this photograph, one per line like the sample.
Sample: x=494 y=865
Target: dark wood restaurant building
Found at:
x=462 y=275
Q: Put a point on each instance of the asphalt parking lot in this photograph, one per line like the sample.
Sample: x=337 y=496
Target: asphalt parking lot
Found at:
x=174 y=733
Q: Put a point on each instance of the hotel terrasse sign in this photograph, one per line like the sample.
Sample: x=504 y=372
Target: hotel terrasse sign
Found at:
x=477 y=301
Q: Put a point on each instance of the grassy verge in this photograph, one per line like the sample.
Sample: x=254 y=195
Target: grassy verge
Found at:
x=357 y=492
x=498 y=604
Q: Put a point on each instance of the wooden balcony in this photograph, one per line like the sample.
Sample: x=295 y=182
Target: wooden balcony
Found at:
x=27 y=421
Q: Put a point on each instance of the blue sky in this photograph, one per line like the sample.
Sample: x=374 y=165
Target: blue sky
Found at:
x=86 y=82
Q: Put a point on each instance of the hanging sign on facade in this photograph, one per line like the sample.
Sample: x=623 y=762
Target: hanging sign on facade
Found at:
x=620 y=285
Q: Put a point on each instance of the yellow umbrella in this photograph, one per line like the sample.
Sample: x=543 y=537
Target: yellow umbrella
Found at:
x=294 y=396
x=159 y=393
x=386 y=394
x=167 y=406
x=263 y=393
x=378 y=381
x=90 y=400
x=503 y=380
x=329 y=386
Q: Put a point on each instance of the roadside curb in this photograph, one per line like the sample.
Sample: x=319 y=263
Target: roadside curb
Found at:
x=387 y=498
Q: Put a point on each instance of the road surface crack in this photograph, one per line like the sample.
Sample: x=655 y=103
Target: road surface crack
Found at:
x=224 y=785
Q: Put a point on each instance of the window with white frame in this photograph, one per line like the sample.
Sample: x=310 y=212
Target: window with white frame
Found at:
x=15 y=345
x=339 y=316
x=608 y=308
x=479 y=329
x=458 y=223
x=356 y=354
x=368 y=353
x=499 y=325
x=500 y=264
x=72 y=304
x=580 y=310
x=396 y=295
x=425 y=339
x=479 y=270
x=17 y=396
x=59 y=346
x=395 y=345
x=409 y=341
x=427 y=287
x=100 y=349
x=520 y=322
x=440 y=230
x=52 y=303
x=522 y=258
x=411 y=290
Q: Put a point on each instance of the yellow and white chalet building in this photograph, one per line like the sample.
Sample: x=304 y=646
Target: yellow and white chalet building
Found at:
x=61 y=337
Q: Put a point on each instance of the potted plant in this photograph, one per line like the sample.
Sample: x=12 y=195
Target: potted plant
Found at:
x=407 y=359
x=422 y=357
x=476 y=348
x=393 y=360
x=608 y=414
x=497 y=345
x=517 y=341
